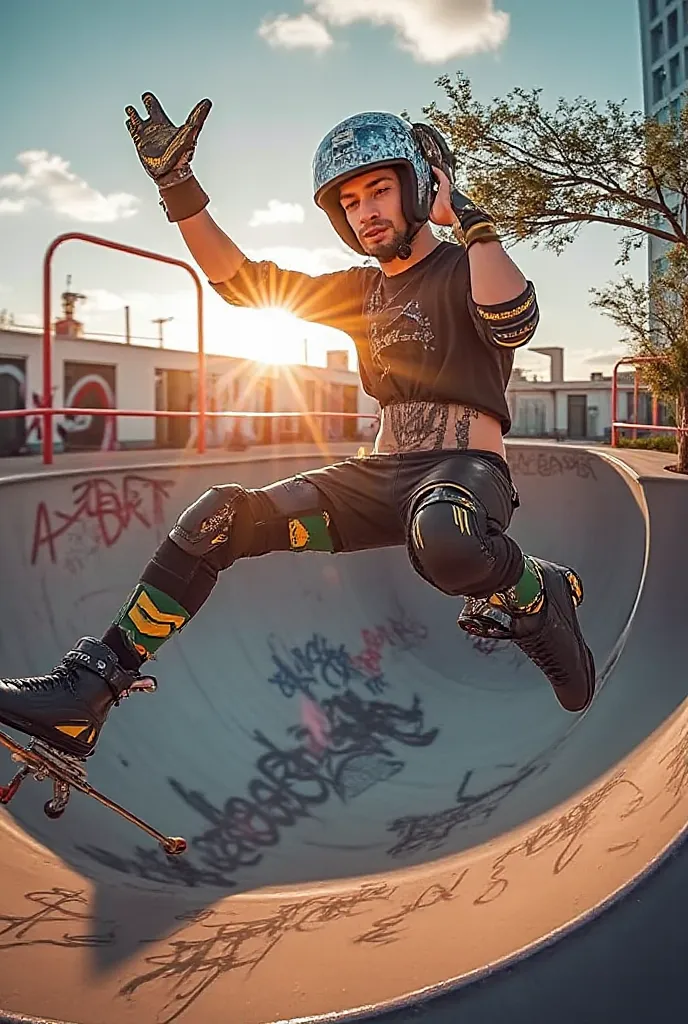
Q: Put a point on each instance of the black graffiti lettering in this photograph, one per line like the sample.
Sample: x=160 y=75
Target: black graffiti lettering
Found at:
x=676 y=759
x=319 y=662
x=565 y=832
x=546 y=464
x=288 y=785
x=494 y=890
x=45 y=926
x=302 y=670
x=386 y=929
x=430 y=831
x=193 y=964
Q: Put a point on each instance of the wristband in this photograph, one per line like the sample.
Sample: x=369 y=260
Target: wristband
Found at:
x=182 y=197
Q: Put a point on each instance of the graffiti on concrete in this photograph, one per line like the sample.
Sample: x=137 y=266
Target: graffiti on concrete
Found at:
x=101 y=511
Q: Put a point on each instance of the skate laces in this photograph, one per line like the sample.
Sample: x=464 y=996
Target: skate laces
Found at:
x=62 y=676
x=541 y=653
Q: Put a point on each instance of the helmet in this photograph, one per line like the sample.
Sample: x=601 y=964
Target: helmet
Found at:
x=361 y=143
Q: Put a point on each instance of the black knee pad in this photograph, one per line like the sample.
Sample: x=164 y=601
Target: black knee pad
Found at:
x=218 y=526
x=448 y=540
x=208 y=536
x=227 y=523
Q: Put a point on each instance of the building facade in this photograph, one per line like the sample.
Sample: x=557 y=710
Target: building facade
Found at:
x=664 y=52
x=576 y=410
x=96 y=374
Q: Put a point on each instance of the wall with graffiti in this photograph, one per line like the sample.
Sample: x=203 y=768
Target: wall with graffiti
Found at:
x=98 y=374
x=12 y=396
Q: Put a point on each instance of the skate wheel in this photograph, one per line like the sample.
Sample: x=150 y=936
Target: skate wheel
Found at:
x=175 y=846
x=53 y=812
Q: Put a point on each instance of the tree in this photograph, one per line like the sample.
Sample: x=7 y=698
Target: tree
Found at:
x=544 y=174
x=654 y=319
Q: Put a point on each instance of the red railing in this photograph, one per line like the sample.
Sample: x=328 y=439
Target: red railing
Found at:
x=633 y=425
x=47 y=411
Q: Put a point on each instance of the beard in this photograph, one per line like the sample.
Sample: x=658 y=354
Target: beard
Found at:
x=384 y=251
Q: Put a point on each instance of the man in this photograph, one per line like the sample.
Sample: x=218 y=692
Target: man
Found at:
x=435 y=325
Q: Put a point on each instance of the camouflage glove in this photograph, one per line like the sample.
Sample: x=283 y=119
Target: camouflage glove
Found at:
x=165 y=151
x=476 y=224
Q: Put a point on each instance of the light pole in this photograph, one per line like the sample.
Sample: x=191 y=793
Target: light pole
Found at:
x=160 y=321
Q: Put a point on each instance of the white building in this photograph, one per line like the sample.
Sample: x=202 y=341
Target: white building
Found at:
x=568 y=409
x=92 y=373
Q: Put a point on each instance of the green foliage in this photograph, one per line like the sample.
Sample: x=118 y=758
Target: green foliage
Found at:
x=658 y=443
x=661 y=335
x=544 y=174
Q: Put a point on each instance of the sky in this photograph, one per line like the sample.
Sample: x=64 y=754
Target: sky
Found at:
x=280 y=74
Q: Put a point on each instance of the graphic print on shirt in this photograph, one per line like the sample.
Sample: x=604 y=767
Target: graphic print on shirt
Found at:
x=396 y=324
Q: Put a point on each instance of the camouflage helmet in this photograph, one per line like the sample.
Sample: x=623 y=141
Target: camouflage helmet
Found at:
x=361 y=143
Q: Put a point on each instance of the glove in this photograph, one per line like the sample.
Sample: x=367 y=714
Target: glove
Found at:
x=476 y=224
x=165 y=151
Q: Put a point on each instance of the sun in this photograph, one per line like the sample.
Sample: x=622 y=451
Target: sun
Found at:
x=276 y=336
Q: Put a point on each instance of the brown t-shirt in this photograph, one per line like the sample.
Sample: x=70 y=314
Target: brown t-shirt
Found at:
x=417 y=334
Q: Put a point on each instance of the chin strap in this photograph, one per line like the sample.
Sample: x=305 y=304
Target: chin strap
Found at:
x=404 y=249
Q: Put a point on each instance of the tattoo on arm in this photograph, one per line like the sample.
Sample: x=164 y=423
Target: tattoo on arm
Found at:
x=463 y=427
x=414 y=423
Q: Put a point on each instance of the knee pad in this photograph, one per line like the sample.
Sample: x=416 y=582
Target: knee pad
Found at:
x=447 y=539
x=228 y=522
x=217 y=527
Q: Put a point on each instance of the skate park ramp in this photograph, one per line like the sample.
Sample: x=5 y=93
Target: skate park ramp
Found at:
x=378 y=807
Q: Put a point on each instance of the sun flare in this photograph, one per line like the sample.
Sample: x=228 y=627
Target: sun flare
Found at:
x=278 y=336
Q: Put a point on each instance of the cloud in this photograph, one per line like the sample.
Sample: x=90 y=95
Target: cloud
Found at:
x=49 y=180
x=300 y=33
x=308 y=261
x=433 y=31
x=9 y=206
x=603 y=359
x=278 y=213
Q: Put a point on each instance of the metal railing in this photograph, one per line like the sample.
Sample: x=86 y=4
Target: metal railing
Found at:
x=46 y=410
x=634 y=425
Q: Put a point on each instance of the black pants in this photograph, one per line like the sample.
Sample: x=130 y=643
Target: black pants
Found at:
x=371 y=503
x=450 y=510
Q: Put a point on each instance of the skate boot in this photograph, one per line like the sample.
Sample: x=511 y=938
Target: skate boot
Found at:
x=67 y=708
x=547 y=631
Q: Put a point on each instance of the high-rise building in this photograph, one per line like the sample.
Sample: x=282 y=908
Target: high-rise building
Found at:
x=664 y=48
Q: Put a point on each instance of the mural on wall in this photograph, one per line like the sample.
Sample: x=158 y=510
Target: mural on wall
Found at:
x=12 y=396
x=89 y=386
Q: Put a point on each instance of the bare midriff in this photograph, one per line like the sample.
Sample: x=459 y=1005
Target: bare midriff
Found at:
x=431 y=426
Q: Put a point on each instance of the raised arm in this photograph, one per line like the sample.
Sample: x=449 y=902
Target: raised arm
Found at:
x=165 y=151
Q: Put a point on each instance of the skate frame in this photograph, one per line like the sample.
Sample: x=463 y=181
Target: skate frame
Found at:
x=40 y=761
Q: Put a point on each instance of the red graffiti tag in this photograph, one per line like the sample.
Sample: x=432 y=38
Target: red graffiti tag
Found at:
x=403 y=633
x=110 y=506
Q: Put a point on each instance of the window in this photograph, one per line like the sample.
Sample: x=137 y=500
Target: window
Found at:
x=662 y=115
x=654 y=9
x=685 y=17
x=675 y=107
x=672 y=28
x=656 y=42
x=658 y=84
x=675 y=71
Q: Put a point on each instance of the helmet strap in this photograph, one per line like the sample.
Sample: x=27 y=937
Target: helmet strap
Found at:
x=404 y=248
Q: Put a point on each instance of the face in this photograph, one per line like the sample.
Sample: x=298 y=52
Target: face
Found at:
x=372 y=204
